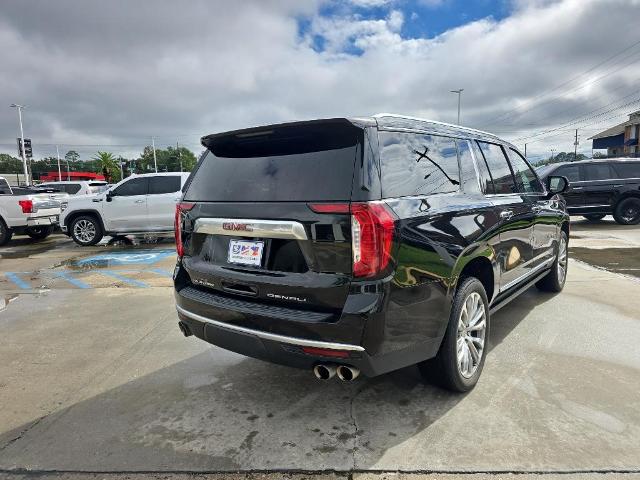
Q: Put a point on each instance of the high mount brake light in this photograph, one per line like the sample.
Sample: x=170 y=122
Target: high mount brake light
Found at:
x=180 y=207
x=372 y=227
x=26 y=205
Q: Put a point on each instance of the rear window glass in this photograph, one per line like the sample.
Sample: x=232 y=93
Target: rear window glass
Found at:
x=503 y=181
x=300 y=162
x=4 y=187
x=418 y=164
x=572 y=172
x=627 y=170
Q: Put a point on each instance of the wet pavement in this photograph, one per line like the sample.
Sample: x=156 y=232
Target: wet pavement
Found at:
x=99 y=379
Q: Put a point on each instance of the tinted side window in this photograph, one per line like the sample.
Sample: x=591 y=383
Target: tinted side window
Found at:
x=598 y=171
x=4 y=187
x=468 y=175
x=485 y=176
x=417 y=164
x=572 y=172
x=135 y=186
x=72 y=188
x=627 y=170
x=503 y=181
x=169 y=184
x=526 y=180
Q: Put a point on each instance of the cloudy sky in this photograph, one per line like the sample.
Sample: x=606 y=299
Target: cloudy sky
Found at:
x=108 y=75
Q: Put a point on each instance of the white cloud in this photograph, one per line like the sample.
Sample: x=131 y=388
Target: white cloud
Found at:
x=370 y=3
x=123 y=72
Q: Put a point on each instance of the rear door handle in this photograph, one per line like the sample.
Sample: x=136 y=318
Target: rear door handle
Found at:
x=139 y=201
x=506 y=214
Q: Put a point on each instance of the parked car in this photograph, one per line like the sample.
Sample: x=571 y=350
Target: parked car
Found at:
x=27 y=211
x=138 y=204
x=601 y=187
x=363 y=244
x=78 y=187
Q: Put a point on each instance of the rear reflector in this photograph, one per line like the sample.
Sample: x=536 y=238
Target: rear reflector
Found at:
x=329 y=207
x=325 y=352
x=180 y=207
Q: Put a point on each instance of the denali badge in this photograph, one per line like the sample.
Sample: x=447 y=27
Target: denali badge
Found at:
x=203 y=283
x=284 y=297
x=237 y=227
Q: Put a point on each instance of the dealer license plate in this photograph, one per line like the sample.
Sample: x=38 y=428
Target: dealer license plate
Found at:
x=245 y=252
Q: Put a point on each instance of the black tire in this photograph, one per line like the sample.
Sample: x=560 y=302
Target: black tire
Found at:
x=39 y=233
x=595 y=217
x=5 y=233
x=627 y=212
x=555 y=279
x=81 y=227
x=446 y=369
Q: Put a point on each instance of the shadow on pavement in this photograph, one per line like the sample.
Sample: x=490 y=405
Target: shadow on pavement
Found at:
x=227 y=412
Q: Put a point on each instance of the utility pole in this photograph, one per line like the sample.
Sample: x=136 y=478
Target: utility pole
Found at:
x=22 y=152
x=179 y=156
x=155 y=160
x=59 y=171
x=459 y=92
x=525 y=150
x=575 y=147
x=552 y=152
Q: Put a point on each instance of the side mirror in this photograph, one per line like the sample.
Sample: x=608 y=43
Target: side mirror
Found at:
x=557 y=184
x=109 y=195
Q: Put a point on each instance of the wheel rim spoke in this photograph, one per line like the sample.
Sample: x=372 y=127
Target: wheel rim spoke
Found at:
x=472 y=325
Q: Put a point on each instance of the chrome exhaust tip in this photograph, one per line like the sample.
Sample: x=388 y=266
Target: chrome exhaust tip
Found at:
x=184 y=328
x=347 y=374
x=324 y=372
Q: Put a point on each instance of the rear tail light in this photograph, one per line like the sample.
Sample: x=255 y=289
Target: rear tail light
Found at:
x=372 y=227
x=27 y=206
x=180 y=207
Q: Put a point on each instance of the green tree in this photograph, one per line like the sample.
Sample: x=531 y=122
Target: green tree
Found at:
x=563 y=157
x=72 y=156
x=170 y=159
x=108 y=166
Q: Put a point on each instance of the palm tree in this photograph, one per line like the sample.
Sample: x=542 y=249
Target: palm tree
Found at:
x=109 y=166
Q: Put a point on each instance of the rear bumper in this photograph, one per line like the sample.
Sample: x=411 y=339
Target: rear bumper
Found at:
x=40 y=221
x=276 y=336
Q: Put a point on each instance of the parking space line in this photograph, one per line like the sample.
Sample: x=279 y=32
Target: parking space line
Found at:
x=160 y=271
x=13 y=277
x=122 y=278
x=73 y=281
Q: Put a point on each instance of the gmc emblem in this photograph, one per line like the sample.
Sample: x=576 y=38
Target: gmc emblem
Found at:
x=237 y=227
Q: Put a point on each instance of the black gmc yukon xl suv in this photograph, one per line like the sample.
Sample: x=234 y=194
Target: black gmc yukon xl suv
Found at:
x=601 y=187
x=363 y=244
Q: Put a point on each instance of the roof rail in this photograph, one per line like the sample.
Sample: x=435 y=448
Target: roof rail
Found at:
x=395 y=115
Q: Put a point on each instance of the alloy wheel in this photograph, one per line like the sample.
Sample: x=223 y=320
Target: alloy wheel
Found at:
x=84 y=230
x=562 y=260
x=631 y=213
x=472 y=327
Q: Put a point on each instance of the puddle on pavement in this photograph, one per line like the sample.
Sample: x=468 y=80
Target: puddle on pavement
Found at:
x=618 y=260
x=26 y=248
x=132 y=257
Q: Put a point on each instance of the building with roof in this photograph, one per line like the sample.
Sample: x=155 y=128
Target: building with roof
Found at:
x=621 y=140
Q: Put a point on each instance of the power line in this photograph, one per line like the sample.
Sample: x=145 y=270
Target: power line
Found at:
x=557 y=87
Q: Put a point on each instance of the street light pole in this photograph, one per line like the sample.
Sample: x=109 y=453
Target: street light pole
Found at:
x=459 y=92
x=155 y=161
x=59 y=171
x=22 y=152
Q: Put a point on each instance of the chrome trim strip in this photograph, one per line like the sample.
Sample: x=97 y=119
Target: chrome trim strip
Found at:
x=527 y=275
x=303 y=342
x=252 y=228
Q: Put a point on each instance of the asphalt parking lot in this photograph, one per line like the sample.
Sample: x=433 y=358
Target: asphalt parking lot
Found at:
x=96 y=377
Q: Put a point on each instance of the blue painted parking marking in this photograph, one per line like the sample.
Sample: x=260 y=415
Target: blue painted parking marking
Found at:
x=160 y=271
x=73 y=281
x=122 y=278
x=13 y=277
x=129 y=257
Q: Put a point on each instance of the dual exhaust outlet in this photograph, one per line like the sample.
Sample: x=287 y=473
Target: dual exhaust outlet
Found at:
x=326 y=372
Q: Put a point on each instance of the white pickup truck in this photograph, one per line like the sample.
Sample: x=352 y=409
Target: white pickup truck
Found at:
x=27 y=211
